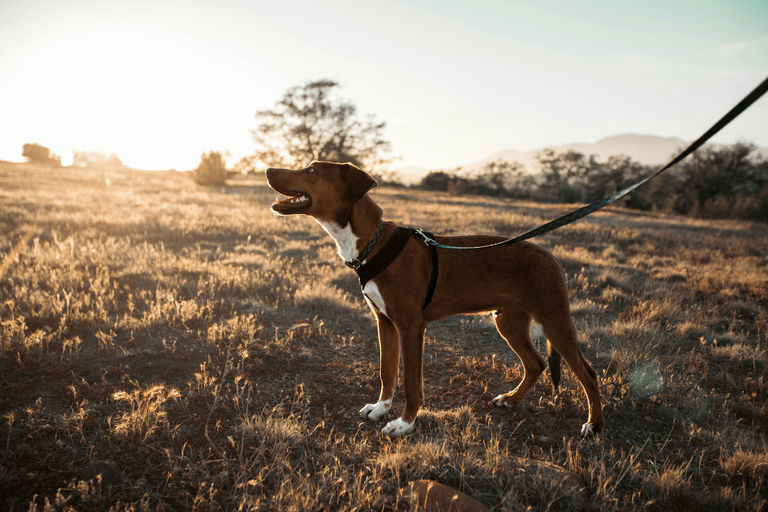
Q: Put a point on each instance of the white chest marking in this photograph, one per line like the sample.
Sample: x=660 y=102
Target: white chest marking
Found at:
x=346 y=245
x=346 y=240
x=373 y=295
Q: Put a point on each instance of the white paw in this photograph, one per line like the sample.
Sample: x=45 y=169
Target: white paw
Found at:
x=374 y=412
x=587 y=430
x=501 y=401
x=397 y=428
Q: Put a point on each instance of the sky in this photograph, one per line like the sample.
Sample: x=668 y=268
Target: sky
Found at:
x=160 y=82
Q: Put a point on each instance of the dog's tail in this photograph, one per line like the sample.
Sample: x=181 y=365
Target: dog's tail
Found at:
x=553 y=359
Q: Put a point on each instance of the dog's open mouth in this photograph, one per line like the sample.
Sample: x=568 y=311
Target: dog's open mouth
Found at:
x=296 y=202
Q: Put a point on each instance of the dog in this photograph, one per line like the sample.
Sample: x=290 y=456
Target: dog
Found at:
x=408 y=284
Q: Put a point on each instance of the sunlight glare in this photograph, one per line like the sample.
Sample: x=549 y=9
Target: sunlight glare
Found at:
x=140 y=93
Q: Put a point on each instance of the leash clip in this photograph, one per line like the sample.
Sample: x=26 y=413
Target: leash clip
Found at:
x=427 y=240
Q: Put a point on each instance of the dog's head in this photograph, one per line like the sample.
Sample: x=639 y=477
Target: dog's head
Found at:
x=324 y=190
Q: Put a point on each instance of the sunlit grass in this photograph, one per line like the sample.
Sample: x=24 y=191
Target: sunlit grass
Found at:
x=217 y=355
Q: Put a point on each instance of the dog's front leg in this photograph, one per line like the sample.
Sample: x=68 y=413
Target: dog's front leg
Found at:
x=412 y=347
x=389 y=360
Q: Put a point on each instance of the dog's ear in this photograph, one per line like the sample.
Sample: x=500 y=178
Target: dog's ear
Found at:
x=358 y=181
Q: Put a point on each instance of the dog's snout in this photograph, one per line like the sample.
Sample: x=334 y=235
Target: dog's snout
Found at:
x=269 y=171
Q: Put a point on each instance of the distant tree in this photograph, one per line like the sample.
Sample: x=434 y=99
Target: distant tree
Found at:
x=503 y=178
x=725 y=171
x=310 y=123
x=459 y=185
x=497 y=178
x=96 y=160
x=615 y=174
x=36 y=153
x=211 y=171
x=435 y=180
x=719 y=180
x=566 y=175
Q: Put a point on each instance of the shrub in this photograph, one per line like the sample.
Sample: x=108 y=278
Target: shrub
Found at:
x=37 y=153
x=211 y=171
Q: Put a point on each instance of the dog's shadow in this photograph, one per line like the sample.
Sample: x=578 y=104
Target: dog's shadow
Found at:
x=349 y=284
x=327 y=302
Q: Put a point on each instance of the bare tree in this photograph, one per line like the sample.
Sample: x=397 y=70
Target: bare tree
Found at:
x=310 y=123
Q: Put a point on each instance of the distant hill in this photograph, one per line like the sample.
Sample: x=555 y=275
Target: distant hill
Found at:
x=647 y=149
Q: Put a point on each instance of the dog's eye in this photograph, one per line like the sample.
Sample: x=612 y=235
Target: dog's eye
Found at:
x=310 y=170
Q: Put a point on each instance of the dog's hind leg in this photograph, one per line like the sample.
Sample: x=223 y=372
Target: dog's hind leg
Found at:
x=389 y=361
x=514 y=325
x=562 y=335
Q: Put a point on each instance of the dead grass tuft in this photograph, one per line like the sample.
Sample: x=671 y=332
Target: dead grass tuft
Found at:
x=146 y=412
x=746 y=464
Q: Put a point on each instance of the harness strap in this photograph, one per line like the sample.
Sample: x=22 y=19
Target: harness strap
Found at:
x=433 y=276
x=391 y=250
x=384 y=257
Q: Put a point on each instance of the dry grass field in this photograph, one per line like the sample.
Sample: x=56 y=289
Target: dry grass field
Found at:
x=199 y=353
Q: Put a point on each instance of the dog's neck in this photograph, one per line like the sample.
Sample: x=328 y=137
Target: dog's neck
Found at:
x=361 y=227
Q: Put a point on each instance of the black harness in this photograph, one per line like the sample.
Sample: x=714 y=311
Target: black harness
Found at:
x=382 y=259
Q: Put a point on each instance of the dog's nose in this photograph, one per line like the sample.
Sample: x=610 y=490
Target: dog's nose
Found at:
x=269 y=171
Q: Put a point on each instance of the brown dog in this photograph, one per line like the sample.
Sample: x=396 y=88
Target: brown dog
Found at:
x=520 y=283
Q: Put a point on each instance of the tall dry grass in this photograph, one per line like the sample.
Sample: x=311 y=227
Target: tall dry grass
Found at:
x=214 y=357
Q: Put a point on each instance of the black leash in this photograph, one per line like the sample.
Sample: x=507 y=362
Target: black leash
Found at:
x=591 y=208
